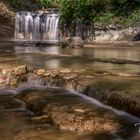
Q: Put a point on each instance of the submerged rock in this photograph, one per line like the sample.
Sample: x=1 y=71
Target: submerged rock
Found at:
x=111 y=93
x=70 y=111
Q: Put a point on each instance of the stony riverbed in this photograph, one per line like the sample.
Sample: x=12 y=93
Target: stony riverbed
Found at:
x=77 y=107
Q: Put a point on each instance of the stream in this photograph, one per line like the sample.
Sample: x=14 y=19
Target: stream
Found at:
x=19 y=107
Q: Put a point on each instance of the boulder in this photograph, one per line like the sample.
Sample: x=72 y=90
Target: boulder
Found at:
x=41 y=72
x=21 y=70
x=77 y=42
x=69 y=111
x=73 y=42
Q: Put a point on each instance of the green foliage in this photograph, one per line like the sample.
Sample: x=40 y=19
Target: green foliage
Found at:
x=48 y=3
x=125 y=6
x=102 y=12
x=13 y=3
x=87 y=11
x=82 y=11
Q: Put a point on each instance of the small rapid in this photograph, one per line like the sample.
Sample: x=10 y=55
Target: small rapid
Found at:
x=69 y=98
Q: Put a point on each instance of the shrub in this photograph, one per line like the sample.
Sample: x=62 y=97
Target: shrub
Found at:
x=13 y=3
x=48 y=3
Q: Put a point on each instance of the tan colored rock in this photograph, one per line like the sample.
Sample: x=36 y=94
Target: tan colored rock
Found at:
x=79 y=110
x=73 y=42
x=41 y=72
x=69 y=76
x=65 y=70
x=70 y=111
x=13 y=82
x=20 y=70
x=47 y=73
x=77 y=42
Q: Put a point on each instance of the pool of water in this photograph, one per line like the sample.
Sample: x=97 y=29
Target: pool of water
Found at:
x=54 y=57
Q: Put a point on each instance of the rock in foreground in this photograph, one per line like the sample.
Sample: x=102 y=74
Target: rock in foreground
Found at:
x=69 y=111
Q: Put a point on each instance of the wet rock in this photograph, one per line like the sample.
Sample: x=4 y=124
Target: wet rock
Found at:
x=69 y=76
x=20 y=70
x=74 y=42
x=34 y=79
x=5 y=77
x=41 y=72
x=77 y=42
x=8 y=102
x=83 y=83
x=70 y=111
x=113 y=93
x=13 y=81
x=110 y=93
x=65 y=71
x=66 y=42
x=18 y=123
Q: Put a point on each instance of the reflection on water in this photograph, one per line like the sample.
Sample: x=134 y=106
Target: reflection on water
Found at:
x=54 y=57
x=132 y=54
x=47 y=50
x=52 y=64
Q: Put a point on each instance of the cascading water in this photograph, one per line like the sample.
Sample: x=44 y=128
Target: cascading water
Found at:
x=36 y=26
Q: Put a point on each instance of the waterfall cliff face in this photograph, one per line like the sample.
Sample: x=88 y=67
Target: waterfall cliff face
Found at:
x=36 y=26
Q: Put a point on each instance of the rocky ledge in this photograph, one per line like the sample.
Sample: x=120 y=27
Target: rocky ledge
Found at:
x=58 y=114
x=119 y=90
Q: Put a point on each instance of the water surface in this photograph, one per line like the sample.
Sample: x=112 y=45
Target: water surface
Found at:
x=54 y=57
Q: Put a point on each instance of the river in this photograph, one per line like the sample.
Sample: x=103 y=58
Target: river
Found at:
x=16 y=120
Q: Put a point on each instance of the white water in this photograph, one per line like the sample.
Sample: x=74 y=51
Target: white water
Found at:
x=36 y=27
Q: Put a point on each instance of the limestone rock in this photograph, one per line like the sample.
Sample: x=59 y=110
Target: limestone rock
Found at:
x=13 y=81
x=20 y=70
x=41 y=72
x=70 y=111
x=77 y=42
x=74 y=42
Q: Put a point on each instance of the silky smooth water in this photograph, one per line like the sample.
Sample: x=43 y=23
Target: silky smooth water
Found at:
x=31 y=26
x=55 y=57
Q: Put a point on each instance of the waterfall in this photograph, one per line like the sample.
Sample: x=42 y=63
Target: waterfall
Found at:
x=31 y=26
